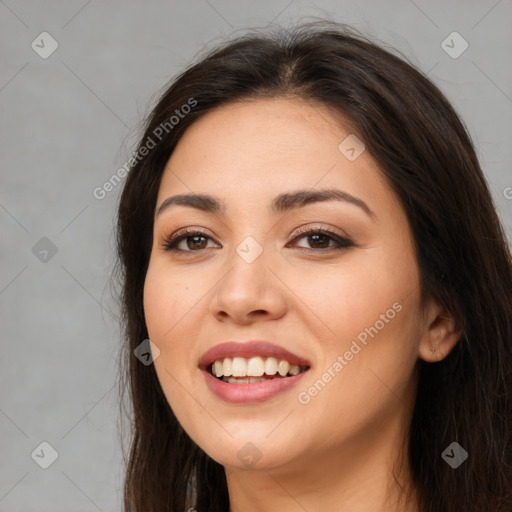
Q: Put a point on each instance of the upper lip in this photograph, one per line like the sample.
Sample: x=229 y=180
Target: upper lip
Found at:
x=250 y=349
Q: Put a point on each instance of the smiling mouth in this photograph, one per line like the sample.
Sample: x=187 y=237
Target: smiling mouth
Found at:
x=241 y=370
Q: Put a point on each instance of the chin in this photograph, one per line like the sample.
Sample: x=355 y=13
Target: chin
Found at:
x=256 y=454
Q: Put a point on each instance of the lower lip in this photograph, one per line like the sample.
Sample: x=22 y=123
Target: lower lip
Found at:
x=250 y=393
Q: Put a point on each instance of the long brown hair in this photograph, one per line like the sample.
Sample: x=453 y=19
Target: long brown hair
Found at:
x=426 y=153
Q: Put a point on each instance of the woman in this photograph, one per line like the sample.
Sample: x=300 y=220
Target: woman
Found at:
x=308 y=241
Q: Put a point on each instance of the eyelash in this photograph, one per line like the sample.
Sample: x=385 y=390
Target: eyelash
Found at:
x=170 y=243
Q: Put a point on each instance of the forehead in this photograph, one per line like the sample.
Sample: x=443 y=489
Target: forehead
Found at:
x=256 y=149
x=257 y=125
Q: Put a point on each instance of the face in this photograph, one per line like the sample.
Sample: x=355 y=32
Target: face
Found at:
x=333 y=282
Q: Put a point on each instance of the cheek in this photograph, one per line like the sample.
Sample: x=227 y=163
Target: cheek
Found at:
x=172 y=309
x=166 y=300
x=372 y=314
x=169 y=314
x=367 y=372
x=165 y=307
x=350 y=300
x=157 y=301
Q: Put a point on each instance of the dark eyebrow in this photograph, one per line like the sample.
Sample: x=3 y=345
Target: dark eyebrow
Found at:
x=280 y=204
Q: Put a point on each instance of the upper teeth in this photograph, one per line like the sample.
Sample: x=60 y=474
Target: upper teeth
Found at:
x=253 y=367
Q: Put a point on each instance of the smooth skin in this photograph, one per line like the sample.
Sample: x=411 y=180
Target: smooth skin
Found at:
x=338 y=451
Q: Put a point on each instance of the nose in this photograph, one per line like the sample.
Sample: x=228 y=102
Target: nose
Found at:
x=249 y=291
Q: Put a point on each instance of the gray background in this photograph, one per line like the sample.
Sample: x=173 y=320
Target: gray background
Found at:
x=71 y=120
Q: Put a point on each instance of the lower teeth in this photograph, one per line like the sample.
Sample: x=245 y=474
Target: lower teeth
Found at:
x=250 y=380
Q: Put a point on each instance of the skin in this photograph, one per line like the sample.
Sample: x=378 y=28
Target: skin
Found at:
x=338 y=451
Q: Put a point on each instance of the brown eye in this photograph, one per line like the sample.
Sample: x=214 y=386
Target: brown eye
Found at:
x=319 y=239
x=194 y=241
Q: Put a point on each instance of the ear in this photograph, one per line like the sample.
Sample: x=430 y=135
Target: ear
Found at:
x=440 y=335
